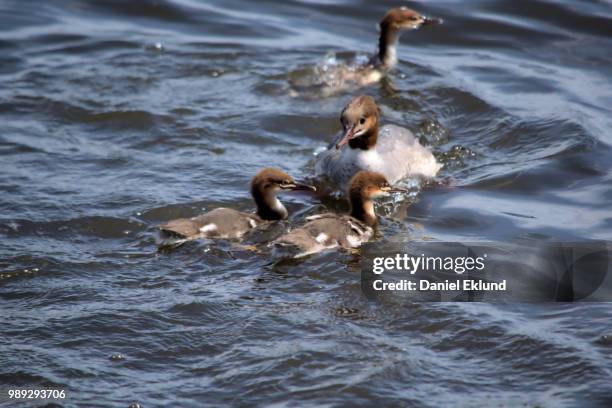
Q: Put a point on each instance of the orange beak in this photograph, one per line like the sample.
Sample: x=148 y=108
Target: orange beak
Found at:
x=347 y=136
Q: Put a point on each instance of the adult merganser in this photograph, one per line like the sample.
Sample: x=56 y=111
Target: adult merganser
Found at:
x=336 y=77
x=391 y=27
x=230 y=223
x=393 y=151
x=329 y=230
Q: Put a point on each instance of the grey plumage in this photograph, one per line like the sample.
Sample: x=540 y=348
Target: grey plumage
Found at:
x=397 y=154
x=322 y=232
x=218 y=223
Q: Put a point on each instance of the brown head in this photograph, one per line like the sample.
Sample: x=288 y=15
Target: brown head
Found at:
x=403 y=18
x=359 y=120
x=264 y=187
x=392 y=24
x=365 y=186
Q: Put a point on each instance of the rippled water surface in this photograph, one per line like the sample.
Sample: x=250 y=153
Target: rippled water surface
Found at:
x=116 y=116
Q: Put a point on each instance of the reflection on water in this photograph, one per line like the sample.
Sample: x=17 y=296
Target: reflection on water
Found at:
x=116 y=116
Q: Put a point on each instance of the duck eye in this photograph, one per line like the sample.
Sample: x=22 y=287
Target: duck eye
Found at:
x=414 y=18
x=361 y=121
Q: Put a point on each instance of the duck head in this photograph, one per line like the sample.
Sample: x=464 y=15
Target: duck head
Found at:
x=364 y=188
x=266 y=184
x=391 y=26
x=359 y=120
x=403 y=18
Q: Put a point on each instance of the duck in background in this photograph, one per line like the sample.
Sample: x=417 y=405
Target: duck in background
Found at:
x=330 y=230
x=391 y=150
x=334 y=77
x=392 y=25
x=228 y=223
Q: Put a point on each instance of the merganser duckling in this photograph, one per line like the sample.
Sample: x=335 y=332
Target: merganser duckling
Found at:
x=329 y=230
x=230 y=223
x=338 y=77
x=393 y=151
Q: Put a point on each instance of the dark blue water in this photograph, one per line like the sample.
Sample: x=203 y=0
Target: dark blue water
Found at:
x=116 y=116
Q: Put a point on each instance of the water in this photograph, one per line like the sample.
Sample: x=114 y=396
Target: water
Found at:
x=116 y=116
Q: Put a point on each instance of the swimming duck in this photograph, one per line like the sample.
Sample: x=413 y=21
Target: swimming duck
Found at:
x=230 y=223
x=392 y=151
x=391 y=27
x=338 y=77
x=329 y=230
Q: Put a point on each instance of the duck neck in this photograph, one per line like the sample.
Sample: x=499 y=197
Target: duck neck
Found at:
x=365 y=141
x=268 y=205
x=387 y=46
x=363 y=210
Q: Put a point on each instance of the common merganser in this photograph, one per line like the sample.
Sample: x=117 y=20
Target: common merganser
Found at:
x=393 y=151
x=329 y=230
x=229 y=223
x=336 y=77
x=391 y=27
